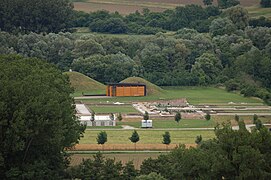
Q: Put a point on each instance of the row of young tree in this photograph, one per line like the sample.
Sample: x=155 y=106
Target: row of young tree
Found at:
x=232 y=154
x=102 y=138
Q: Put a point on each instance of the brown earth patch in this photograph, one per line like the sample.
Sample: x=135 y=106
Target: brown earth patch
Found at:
x=136 y=158
x=126 y=147
x=124 y=7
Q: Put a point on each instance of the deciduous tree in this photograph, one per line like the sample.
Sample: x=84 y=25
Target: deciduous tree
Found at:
x=166 y=139
x=35 y=15
x=37 y=121
x=227 y=3
x=134 y=138
x=102 y=138
x=207 y=2
x=146 y=115
x=178 y=117
x=207 y=116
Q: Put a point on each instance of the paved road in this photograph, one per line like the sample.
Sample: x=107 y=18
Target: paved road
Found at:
x=248 y=126
x=154 y=129
x=92 y=97
x=82 y=109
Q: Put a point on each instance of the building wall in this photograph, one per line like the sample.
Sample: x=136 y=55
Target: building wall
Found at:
x=99 y=123
x=127 y=91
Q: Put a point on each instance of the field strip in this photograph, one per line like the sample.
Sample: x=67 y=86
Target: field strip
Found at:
x=126 y=147
x=156 y=129
x=115 y=152
x=129 y=3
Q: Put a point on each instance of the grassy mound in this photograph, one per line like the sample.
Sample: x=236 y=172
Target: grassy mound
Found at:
x=152 y=89
x=84 y=84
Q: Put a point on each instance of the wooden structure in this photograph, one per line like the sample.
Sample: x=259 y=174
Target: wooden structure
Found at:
x=126 y=89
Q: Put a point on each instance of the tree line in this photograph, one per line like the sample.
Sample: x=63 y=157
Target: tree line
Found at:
x=25 y=16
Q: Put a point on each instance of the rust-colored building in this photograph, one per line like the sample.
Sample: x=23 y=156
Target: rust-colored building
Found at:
x=126 y=89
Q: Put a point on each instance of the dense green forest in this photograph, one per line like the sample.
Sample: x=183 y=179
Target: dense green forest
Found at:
x=232 y=53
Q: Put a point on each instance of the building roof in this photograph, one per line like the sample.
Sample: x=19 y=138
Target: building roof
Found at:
x=126 y=84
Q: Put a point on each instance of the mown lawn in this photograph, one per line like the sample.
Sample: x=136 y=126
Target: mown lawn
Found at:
x=113 y=109
x=194 y=95
x=184 y=123
x=146 y=136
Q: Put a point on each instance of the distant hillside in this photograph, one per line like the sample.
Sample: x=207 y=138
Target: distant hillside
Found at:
x=151 y=88
x=128 y=6
x=82 y=83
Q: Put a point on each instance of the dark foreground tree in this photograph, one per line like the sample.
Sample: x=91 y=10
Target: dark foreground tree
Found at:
x=227 y=3
x=207 y=2
x=134 y=138
x=100 y=168
x=37 y=121
x=35 y=15
x=96 y=168
x=232 y=154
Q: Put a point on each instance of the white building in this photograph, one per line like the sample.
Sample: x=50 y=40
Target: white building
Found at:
x=100 y=120
x=146 y=123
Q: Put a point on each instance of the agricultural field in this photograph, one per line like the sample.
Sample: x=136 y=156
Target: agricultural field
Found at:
x=137 y=158
x=146 y=136
x=130 y=6
x=184 y=123
x=256 y=11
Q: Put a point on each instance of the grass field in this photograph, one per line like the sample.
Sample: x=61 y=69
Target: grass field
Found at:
x=129 y=6
x=256 y=11
x=146 y=136
x=113 y=109
x=194 y=95
x=184 y=123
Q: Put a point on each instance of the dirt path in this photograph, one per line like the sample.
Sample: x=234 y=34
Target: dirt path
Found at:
x=127 y=147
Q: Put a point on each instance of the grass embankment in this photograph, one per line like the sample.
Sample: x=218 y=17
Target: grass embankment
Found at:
x=151 y=88
x=84 y=84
